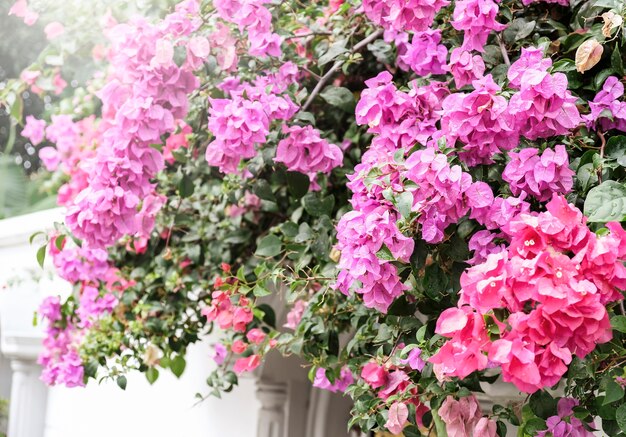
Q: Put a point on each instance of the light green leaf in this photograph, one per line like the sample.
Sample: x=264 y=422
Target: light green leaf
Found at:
x=606 y=202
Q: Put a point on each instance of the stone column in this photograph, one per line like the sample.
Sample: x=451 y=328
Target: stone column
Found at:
x=272 y=413
x=29 y=395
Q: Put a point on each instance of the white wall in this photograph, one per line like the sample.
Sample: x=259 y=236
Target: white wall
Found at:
x=165 y=409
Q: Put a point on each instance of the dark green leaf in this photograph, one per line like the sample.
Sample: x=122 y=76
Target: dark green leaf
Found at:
x=177 y=365
x=340 y=97
x=121 y=382
x=614 y=392
x=269 y=246
x=186 y=187
x=619 y=323
x=317 y=206
x=297 y=183
x=542 y=404
x=269 y=316
x=620 y=417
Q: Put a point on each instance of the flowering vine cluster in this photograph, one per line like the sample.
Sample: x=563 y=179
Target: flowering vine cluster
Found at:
x=435 y=189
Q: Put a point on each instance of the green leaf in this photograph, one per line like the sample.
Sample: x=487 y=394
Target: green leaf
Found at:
x=269 y=316
x=297 y=183
x=618 y=323
x=121 y=382
x=269 y=246
x=616 y=149
x=260 y=291
x=542 y=404
x=177 y=365
x=435 y=282
x=317 y=206
x=616 y=60
x=620 y=416
x=518 y=29
x=152 y=374
x=58 y=241
x=606 y=202
x=263 y=189
x=340 y=97
x=614 y=392
x=404 y=203
x=333 y=52
x=41 y=255
x=33 y=236
x=186 y=187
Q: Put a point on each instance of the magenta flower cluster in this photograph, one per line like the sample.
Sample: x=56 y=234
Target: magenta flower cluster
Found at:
x=403 y=15
x=442 y=193
x=481 y=121
x=477 y=19
x=360 y=236
x=241 y=123
x=59 y=359
x=424 y=54
x=303 y=150
x=255 y=19
x=465 y=67
x=607 y=111
x=553 y=265
x=399 y=119
x=145 y=94
x=543 y=106
x=539 y=175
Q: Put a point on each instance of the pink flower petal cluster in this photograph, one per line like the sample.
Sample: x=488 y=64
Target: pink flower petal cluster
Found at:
x=554 y=280
x=59 y=359
x=21 y=10
x=465 y=67
x=403 y=15
x=496 y=212
x=464 y=418
x=441 y=195
x=228 y=314
x=539 y=175
x=81 y=264
x=339 y=386
x=303 y=150
x=241 y=123
x=93 y=304
x=543 y=106
x=399 y=119
x=477 y=18
x=481 y=121
x=398 y=417
x=34 y=130
x=145 y=93
x=295 y=314
x=424 y=54
x=481 y=243
x=565 y=424
x=360 y=236
x=254 y=18
x=607 y=111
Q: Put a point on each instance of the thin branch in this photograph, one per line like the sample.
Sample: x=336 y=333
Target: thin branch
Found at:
x=601 y=135
x=336 y=66
x=505 y=54
x=305 y=35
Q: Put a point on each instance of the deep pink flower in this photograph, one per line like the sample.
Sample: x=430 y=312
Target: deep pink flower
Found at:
x=247 y=364
x=539 y=175
x=424 y=54
x=481 y=121
x=374 y=374
x=465 y=67
x=477 y=18
x=403 y=15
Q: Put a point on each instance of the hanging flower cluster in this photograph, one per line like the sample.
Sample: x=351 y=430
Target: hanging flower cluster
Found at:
x=145 y=94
